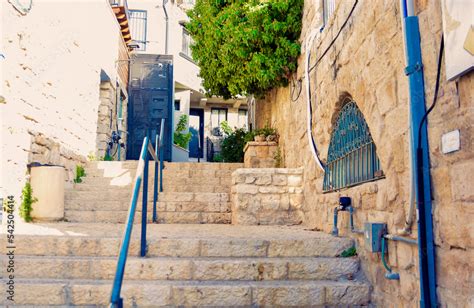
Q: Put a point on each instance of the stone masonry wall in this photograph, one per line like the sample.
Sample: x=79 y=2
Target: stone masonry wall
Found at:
x=48 y=152
x=267 y=196
x=367 y=63
x=260 y=154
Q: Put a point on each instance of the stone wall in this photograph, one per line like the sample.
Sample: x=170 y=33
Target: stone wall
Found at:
x=267 y=196
x=45 y=151
x=107 y=121
x=52 y=66
x=366 y=63
x=261 y=155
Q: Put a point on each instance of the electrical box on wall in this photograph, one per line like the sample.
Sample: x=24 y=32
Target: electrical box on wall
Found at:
x=373 y=232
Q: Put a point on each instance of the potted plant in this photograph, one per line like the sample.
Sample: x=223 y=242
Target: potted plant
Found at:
x=266 y=134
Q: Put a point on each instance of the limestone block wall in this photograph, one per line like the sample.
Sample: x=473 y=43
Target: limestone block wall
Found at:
x=108 y=122
x=267 y=196
x=50 y=80
x=260 y=154
x=367 y=64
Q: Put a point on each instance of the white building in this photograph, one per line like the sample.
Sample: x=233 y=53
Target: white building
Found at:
x=157 y=27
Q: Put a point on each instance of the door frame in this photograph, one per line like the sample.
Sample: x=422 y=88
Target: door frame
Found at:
x=200 y=113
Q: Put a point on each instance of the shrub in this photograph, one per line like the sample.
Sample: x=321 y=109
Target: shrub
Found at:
x=180 y=138
x=27 y=201
x=232 y=147
x=218 y=158
x=245 y=47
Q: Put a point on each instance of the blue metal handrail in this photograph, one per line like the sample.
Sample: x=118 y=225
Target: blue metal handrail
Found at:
x=142 y=174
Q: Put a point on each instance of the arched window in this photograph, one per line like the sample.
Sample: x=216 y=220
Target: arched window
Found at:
x=352 y=157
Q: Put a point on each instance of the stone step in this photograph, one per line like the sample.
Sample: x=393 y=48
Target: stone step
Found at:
x=125 y=195
x=173 y=240
x=129 y=174
x=163 y=217
x=192 y=293
x=163 y=206
x=186 y=180
x=117 y=168
x=169 y=187
x=204 y=269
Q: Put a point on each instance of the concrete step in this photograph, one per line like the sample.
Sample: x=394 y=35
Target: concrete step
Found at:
x=192 y=293
x=173 y=240
x=163 y=206
x=204 y=269
x=163 y=217
x=125 y=195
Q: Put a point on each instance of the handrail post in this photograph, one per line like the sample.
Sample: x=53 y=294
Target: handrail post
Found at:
x=161 y=168
x=162 y=130
x=143 y=248
x=155 y=182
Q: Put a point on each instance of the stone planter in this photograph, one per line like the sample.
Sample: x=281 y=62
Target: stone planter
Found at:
x=260 y=154
x=47 y=183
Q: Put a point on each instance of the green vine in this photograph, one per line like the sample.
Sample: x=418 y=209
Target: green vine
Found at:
x=27 y=201
x=278 y=158
x=80 y=172
x=245 y=47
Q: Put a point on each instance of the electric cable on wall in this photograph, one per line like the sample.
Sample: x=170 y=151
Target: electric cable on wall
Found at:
x=308 y=69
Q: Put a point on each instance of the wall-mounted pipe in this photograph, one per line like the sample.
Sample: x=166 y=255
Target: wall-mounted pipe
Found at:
x=420 y=157
x=166 y=26
x=389 y=275
x=344 y=206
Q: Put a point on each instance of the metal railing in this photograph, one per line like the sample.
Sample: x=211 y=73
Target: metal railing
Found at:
x=141 y=176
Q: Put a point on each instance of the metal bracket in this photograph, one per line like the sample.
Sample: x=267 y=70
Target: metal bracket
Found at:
x=413 y=68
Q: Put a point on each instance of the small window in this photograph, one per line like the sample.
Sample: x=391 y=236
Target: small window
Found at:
x=218 y=115
x=138 y=19
x=177 y=105
x=242 y=120
x=187 y=42
x=352 y=156
x=329 y=6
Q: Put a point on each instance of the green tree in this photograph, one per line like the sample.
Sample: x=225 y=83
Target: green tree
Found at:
x=245 y=47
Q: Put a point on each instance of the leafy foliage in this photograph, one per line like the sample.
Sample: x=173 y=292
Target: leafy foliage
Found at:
x=218 y=158
x=232 y=147
x=107 y=157
x=80 y=172
x=180 y=138
x=278 y=158
x=349 y=252
x=266 y=131
x=27 y=201
x=246 y=46
x=226 y=128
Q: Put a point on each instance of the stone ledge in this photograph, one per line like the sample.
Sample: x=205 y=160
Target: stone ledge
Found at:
x=258 y=144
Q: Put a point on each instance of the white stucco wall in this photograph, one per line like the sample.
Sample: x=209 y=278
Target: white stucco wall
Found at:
x=185 y=72
x=50 y=78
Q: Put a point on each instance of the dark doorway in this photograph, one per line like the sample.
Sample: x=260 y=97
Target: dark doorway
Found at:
x=150 y=100
x=196 y=127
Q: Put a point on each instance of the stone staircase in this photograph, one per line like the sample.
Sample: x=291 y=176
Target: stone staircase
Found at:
x=196 y=262
x=192 y=193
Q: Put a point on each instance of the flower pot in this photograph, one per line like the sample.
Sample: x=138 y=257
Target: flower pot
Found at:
x=271 y=138
x=260 y=138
